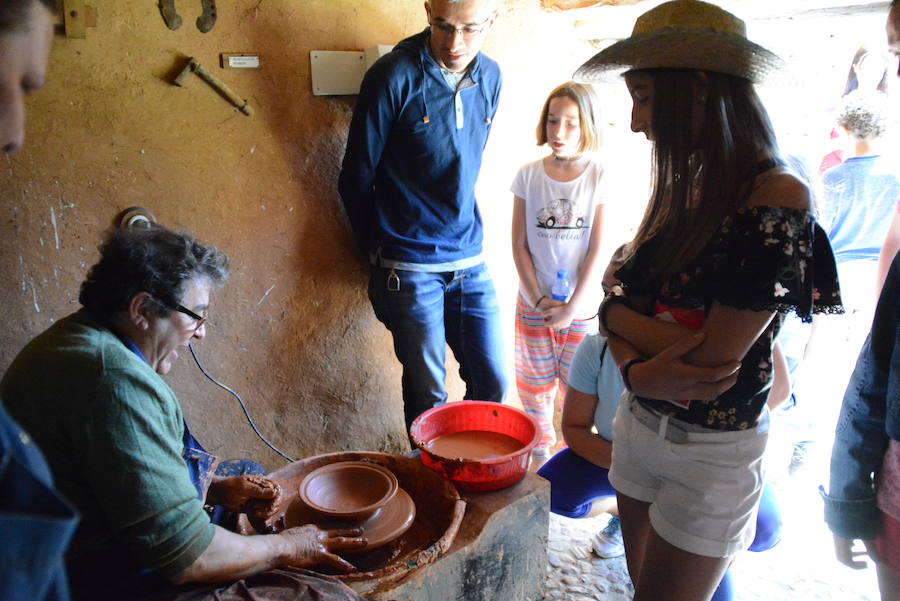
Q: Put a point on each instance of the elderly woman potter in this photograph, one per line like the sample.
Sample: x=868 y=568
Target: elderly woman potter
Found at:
x=89 y=391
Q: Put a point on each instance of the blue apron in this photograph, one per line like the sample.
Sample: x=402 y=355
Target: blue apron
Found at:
x=199 y=463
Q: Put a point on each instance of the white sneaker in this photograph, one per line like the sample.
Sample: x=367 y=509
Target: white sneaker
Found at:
x=608 y=542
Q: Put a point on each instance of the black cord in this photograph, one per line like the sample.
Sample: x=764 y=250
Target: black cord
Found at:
x=241 y=401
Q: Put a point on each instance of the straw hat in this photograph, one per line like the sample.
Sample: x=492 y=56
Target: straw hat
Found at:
x=684 y=34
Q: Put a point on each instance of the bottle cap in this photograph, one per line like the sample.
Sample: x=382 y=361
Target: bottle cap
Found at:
x=562 y=273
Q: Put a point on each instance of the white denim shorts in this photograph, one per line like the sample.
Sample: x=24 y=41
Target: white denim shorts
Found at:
x=703 y=490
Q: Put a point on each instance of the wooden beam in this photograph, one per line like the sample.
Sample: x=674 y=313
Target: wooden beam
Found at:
x=74 y=16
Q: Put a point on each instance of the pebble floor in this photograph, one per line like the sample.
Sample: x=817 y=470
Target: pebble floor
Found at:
x=801 y=567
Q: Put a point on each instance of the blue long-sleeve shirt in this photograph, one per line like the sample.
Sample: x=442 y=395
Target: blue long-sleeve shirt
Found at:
x=36 y=524
x=413 y=156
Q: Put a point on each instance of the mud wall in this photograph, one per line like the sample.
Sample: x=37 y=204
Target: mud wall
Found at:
x=292 y=329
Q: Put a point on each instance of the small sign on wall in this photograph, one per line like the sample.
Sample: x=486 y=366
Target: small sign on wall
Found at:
x=240 y=61
x=337 y=72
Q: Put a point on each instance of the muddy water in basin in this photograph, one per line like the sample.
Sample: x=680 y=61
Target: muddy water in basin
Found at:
x=473 y=444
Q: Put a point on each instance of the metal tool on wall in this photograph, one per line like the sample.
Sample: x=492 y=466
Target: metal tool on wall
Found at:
x=215 y=82
x=205 y=21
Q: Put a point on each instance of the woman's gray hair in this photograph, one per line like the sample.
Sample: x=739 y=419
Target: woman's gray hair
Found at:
x=151 y=259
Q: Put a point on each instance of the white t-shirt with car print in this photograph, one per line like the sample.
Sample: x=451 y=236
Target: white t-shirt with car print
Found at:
x=558 y=218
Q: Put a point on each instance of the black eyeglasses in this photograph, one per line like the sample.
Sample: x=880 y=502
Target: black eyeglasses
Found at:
x=467 y=31
x=191 y=314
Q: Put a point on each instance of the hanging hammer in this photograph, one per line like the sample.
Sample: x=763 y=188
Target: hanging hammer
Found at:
x=221 y=88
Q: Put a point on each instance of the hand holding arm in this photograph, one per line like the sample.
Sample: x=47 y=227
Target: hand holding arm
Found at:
x=557 y=314
x=667 y=376
x=729 y=332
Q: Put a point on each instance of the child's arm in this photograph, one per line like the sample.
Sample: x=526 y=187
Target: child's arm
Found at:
x=528 y=284
x=781 y=380
x=577 y=421
x=561 y=316
x=888 y=251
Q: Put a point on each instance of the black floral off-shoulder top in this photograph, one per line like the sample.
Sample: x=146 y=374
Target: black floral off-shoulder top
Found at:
x=762 y=259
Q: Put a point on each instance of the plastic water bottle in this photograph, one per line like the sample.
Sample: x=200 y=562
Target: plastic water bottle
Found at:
x=561 y=287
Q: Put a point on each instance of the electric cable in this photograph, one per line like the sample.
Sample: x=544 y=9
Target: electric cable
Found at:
x=241 y=401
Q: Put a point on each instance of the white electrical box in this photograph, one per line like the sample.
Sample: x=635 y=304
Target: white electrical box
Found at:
x=336 y=72
x=376 y=52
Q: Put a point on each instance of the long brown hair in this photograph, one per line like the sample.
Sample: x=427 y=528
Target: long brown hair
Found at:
x=698 y=183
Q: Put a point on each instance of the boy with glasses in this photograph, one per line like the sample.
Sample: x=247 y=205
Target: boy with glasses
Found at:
x=413 y=155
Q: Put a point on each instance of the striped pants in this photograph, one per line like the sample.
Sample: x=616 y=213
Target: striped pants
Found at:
x=543 y=357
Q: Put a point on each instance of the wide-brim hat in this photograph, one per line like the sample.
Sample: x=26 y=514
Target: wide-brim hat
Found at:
x=684 y=34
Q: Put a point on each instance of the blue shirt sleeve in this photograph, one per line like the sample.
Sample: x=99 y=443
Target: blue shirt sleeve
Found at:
x=594 y=372
x=586 y=364
x=36 y=523
x=369 y=129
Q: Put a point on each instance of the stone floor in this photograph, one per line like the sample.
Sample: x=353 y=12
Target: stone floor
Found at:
x=574 y=573
x=800 y=568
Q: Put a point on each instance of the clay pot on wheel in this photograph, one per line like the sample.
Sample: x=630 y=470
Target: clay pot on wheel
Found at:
x=349 y=491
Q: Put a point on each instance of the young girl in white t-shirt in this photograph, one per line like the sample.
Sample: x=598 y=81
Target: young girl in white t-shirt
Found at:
x=557 y=218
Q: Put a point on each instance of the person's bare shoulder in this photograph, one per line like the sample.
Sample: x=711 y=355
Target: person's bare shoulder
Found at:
x=780 y=188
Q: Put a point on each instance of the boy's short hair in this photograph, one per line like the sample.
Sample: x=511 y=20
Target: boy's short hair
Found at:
x=864 y=115
x=588 y=113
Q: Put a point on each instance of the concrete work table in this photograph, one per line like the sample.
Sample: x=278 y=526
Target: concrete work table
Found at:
x=499 y=553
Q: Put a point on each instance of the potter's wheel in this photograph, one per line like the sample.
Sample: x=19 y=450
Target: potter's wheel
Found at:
x=383 y=526
x=428 y=538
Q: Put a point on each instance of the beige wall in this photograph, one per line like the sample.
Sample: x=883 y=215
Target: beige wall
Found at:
x=292 y=329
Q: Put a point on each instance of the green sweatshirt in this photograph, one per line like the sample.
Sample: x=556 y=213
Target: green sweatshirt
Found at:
x=111 y=430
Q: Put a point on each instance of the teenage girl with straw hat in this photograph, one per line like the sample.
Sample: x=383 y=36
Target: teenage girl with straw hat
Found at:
x=727 y=246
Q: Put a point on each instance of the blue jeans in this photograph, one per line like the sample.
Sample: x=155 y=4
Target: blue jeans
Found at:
x=869 y=418
x=431 y=310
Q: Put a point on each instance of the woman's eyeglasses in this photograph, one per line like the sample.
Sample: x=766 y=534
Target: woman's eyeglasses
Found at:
x=200 y=320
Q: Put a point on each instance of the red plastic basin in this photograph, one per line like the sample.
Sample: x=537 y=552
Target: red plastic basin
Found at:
x=480 y=475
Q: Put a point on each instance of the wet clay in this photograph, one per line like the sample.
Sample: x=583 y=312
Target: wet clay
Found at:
x=382 y=527
x=474 y=444
x=344 y=498
x=429 y=537
x=348 y=489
